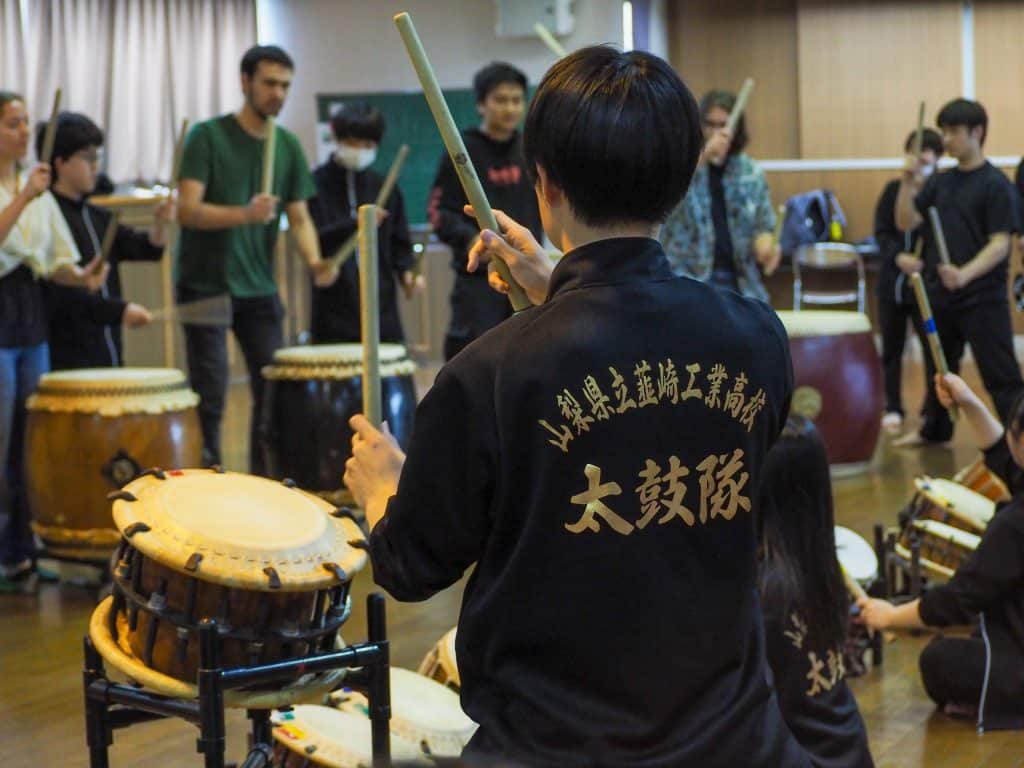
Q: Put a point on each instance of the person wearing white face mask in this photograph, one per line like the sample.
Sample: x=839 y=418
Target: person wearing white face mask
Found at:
x=897 y=261
x=344 y=183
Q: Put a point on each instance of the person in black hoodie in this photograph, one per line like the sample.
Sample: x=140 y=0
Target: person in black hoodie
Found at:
x=594 y=460
x=497 y=154
x=804 y=600
x=983 y=672
x=85 y=328
x=344 y=183
x=896 y=303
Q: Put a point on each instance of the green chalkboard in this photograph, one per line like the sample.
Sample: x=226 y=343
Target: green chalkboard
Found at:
x=408 y=121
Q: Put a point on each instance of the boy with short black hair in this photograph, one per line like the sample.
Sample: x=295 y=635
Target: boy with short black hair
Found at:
x=344 y=183
x=85 y=328
x=496 y=151
x=978 y=209
x=594 y=459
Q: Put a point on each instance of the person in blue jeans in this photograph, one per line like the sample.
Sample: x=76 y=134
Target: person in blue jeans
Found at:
x=34 y=243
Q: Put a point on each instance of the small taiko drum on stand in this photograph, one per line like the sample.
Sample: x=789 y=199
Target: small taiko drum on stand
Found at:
x=440 y=664
x=983 y=480
x=311 y=393
x=271 y=564
x=838 y=382
x=91 y=431
x=422 y=712
x=856 y=556
x=951 y=504
x=943 y=548
x=310 y=735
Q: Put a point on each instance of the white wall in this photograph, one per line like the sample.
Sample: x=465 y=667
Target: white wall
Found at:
x=352 y=45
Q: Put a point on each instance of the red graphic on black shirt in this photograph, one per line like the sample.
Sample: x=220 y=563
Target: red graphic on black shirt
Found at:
x=508 y=176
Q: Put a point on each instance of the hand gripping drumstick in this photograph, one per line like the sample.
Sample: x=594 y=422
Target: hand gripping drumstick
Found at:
x=268 y=158
x=456 y=149
x=740 y=105
x=940 y=237
x=344 y=253
x=928 y=320
x=549 y=40
x=51 y=129
x=370 y=314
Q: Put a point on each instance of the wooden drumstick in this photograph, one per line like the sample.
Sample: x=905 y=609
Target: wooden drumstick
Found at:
x=370 y=312
x=740 y=105
x=456 y=149
x=852 y=586
x=934 y=343
x=344 y=253
x=46 y=155
x=940 y=237
x=268 y=158
x=549 y=40
x=777 y=234
x=213 y=311
x=919 y=134
x=179 y=152
x=109 y=236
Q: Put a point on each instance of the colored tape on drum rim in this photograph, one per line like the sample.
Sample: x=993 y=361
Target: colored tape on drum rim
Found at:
x=929 y=325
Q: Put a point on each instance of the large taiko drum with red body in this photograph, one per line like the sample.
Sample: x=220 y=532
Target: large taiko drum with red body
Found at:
x=837 y=381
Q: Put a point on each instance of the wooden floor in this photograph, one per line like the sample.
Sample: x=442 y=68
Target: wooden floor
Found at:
x=41 y=721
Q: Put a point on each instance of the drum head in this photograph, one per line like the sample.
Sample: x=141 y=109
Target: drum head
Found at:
x=241 y=528
x=856 y=555
x=336 y=361
x=422 y=711
x=938 y=530
x=963 y=503
x=337 y=739
x=113 y=391
x=823 y=322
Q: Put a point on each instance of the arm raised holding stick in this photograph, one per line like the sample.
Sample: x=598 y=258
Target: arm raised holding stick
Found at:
x=456 y=148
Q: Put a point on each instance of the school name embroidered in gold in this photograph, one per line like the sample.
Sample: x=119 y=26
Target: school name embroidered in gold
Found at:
x=709 y=390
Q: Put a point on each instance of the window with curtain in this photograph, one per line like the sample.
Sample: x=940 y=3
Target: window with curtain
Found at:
x=136 y=67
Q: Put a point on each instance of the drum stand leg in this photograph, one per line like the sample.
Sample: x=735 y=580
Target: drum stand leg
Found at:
x=379 y=693
x=915 y=567
x=211 y=697
x=97 y=726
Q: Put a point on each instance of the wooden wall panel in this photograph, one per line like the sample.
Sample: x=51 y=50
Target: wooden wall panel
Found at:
x=999 y=72
x=719 y=44
x=864 y=67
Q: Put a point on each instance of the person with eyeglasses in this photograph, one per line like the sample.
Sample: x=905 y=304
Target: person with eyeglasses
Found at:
x=85 y=328
x=721 y=233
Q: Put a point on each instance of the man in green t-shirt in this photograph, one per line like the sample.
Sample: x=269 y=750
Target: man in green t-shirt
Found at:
x=228 y=233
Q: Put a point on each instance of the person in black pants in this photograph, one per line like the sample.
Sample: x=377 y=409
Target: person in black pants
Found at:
x=979 y=211
x=344 y=183
x=982 y=675
x=497 y=154
x=85 y=328
x=896 y=304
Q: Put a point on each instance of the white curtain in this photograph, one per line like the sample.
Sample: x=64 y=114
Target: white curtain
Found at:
x=136 y=67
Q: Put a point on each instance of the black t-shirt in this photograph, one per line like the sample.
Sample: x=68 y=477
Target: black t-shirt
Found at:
x=810 y=683
x=892 y=285
x=720 y=221
x=973 y=205
x=594 y=460
x=22 y=311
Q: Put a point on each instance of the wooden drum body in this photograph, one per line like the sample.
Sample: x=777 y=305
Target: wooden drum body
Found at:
x=91 y=431
x=440 y=664
x=951 y=504
x=943 y=548
x=271 y=564
x=983 y=480
x=311 y=393
x=837 y=380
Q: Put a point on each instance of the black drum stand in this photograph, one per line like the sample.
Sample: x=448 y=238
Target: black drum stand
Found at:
x=109 y=705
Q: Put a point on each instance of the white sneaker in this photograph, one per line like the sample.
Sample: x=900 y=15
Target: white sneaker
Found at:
x=892 y=423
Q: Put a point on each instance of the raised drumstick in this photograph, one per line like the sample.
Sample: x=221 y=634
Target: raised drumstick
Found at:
x=268 y=158
x=51 y=129
x=369 y=310
x=179 y=151
x=456 y=149
x=919 y=135
x=940 y=237
x=108 y=238
x=934 y=343
x=740 y=105
x=344 y=253
x=549 y=40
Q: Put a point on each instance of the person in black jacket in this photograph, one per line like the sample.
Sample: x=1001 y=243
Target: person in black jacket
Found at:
x=896 y=303
x=804 y=600
x=344 y=183
x=984 y=672
x=595 y=459
x=85 y=328
x=497 y=154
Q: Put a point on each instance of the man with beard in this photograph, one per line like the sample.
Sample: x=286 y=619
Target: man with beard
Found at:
x=229 y=228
